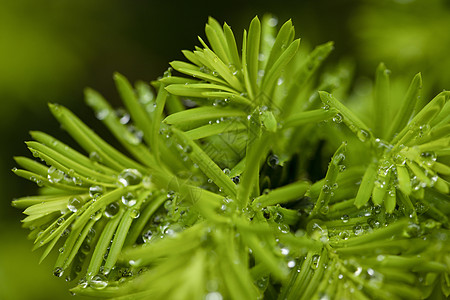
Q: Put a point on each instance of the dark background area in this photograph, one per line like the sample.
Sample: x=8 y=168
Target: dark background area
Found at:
x=50 y=50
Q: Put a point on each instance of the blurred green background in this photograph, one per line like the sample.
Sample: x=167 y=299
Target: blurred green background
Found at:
x=50 y=50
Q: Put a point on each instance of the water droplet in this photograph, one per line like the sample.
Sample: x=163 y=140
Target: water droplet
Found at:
x=58 y=272
x=291 y=264
x=412 y=230
x=315 y=262
x=338 y=118
x=98 y=282
x=213 y=296
x=273 y=160
x=280 y=81
x=233 y=69
x=317 y=230
x=55 y=175
x=129 y=199
x=358 y=230
x=112 y=209
x=236 y=179
x=60 y=221
x=345 y=218
x=278 y=217
x=272 y=22
x=61 y=250
x=284 y=251
x=95 y=157
x=135 y=135
x=74 y=204
x=324 y=209
x=102 y=114
x=342 y=168
x=284 y=228
x=129 y=177
x=324 y=296
x=248 y=212
x=363 y=135
x=226 y=171
x=326 y=188
x=97 y=215
x=135 y=214
x=96 y=191
x=428 y=158
x=147 y=236
x=122 y=115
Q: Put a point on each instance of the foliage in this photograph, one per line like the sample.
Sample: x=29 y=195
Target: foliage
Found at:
x=238 y=180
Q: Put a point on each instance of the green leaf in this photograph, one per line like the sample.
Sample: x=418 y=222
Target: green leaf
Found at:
x=252 y=54
x=217 y=39
x=122 y=231
x=102 y=245
x=301 y=77
x=280 y=44
x=307 y=117
x=381 y=101
x=348 y=117
x=273 y=74
x=131 y=141
x=206 y=164
x=321 y=206
x=90 y=141
x=202 y=114
x=367 y=183
x=285 y=194
x=137 y=112
x=406 y=110
x=216 y=128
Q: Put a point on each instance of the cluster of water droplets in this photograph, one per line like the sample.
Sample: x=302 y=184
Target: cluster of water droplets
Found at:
x=55 y=175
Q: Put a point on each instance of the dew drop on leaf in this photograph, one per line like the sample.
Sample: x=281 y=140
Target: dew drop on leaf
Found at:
x=129 y=177
x=123 y=115
x=112 y=209
x=58 y=272
x=273 y=161
x=147 y=236
x=362 y=135
x=315 y=262
x=95 y=157
x=291 y=264
x=135 y=214
x=345 y=218
x=129 y=199
x=74 y=204
x=284 y=251
x=97 y=215
x=96 y=191
x=55 y=175
x=102 y=114
x=338 y=118
x=324 y=209
x=358 y=230
x=213 y=296
x=98 y=282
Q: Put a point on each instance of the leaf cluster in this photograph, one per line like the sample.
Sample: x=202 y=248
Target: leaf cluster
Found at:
x=239 y=181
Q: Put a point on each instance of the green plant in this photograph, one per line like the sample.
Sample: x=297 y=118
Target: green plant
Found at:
x=242 y=182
